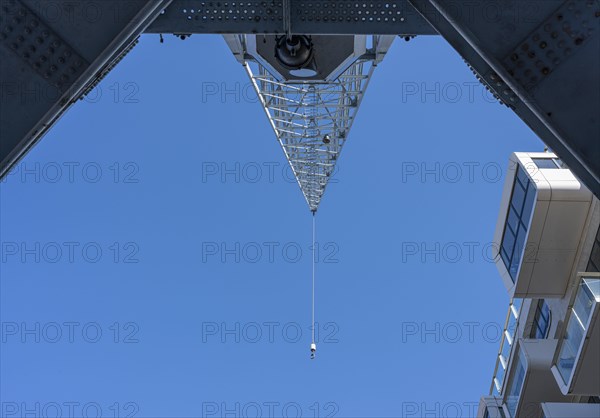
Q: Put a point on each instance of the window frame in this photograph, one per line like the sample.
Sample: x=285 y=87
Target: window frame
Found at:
x=522 y=225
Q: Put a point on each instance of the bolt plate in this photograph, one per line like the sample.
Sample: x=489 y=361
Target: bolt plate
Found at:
x=553 y=42
x=36 y=44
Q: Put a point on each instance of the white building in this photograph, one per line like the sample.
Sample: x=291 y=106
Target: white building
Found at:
x=547 y=250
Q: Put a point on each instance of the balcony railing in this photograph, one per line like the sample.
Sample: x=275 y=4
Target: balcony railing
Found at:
x=506 y=344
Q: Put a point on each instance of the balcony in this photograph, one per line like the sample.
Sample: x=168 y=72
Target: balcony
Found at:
x=506 y=343
x=542 y=218
x=529 y=379
x=576 y=364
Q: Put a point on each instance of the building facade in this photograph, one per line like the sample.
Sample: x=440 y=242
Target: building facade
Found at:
x=547 y=251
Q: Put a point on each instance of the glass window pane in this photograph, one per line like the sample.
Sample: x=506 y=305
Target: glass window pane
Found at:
x=513 y=220
x=515 y=385
x=529 y=204
x=544 y=163
x=522 y=176
x=518 y=198
x=541 y=320
x=569 y=349
x=508 y=242
x=593 y=286
x=583 y=303
x=594 y=263
x=518 y=252
x=505 y=259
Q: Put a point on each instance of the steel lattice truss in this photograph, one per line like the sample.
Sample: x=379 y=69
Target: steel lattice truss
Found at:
x=312 y=121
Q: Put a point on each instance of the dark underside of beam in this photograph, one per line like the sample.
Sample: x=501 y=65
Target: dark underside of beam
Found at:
x=51 y=54
x=542 y=58
x=306 y=17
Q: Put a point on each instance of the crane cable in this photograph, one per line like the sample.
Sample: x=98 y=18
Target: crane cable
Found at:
x=313 y=346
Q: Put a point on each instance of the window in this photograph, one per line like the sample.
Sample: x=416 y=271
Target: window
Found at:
x=541 y=321
x=517 y=223
x=594 y=263
x=515 y=386
x=580 y=313
x=544 y=163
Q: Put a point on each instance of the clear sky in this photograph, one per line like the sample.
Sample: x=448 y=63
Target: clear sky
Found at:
x=156 y=254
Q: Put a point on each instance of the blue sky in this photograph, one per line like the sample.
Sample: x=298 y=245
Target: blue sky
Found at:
x=120 y=287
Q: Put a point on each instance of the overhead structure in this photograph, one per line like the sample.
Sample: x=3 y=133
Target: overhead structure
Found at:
x=540 y=57
x=311 y=93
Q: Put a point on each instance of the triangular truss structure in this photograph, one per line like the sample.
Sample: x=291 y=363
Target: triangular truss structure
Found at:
x=312 y=121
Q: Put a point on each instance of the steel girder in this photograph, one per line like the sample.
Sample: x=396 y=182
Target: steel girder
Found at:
x=51 y=54
x=334 y=17
x=542 y=58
